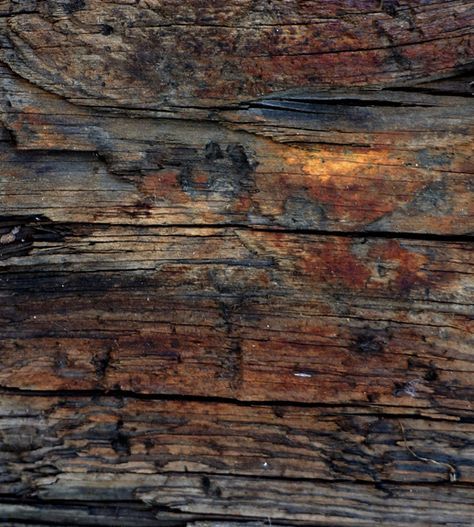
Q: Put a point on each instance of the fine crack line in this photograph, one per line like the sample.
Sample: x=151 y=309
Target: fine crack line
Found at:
x=453 y=477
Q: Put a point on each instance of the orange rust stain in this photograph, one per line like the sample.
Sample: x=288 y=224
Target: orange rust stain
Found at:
x=335 y=264
x=356 y=184
x=405 y=266
x=34 y=129
x=163 y=184
x=345 y=263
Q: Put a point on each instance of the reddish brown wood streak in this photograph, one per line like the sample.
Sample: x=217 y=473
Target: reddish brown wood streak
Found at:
x=247 y=179
x=236 y=263
x=196 y=316
x=255 y=49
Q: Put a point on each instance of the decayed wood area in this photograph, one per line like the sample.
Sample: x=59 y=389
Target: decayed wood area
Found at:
x=236 y=263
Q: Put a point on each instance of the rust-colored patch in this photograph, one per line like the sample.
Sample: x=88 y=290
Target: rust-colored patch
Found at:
x=355 y=185
x=403 y=266
x=163 y=185
x=334 y=265
x=260 y=49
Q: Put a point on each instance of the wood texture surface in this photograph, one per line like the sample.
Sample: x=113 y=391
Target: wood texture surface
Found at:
x=236 y=271
x=151 y=53
x=238 y=313
x=362 y=161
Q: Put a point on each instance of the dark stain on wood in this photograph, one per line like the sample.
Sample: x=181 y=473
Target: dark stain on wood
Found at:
x=367 y=343
x=236 y=263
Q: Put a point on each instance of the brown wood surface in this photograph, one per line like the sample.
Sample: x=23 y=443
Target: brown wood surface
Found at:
x=252 y=315
x=236 y=272
x=350 y=161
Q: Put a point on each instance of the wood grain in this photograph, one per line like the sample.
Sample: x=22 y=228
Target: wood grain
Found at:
x=257 y=498
x=152 y=54
x=236 y=263
x=252 y=315
x=66 y=435
x=207 y=459
x=354 y=161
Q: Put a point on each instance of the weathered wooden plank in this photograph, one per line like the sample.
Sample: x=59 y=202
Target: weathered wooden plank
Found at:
x=64 y=435
x=246 y=498
x=224 y=523
x=312 y=502
x=36 y=513
x=460 y=85
x=316 y=503
x=237 y=313
x=326 y=162
x=154 y=54
x=166 y=357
